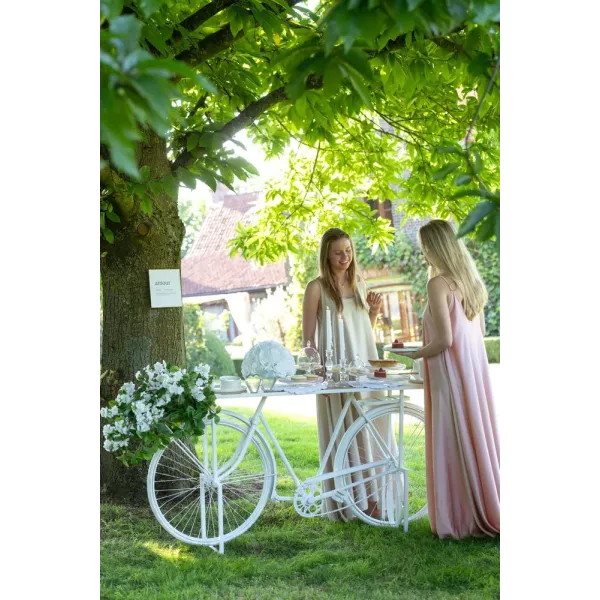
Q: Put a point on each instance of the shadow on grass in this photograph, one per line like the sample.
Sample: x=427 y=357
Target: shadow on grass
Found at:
x=286 y=556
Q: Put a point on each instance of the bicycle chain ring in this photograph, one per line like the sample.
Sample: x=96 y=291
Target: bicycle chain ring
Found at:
x=306 y=499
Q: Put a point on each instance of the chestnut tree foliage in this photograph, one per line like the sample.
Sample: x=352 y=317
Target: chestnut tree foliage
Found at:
x=383 y=98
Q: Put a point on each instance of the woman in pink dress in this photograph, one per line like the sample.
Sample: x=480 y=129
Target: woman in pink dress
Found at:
x=461 y=436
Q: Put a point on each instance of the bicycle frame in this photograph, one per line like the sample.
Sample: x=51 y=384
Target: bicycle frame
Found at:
x=341 y=495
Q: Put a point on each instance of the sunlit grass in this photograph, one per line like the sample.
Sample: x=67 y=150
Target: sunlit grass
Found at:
x=286 y=556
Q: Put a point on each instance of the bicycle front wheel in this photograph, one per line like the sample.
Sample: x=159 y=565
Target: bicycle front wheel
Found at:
x=371 y=492
x=183 y=487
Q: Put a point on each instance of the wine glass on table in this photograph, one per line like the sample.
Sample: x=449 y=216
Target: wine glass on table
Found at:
x=309 y=359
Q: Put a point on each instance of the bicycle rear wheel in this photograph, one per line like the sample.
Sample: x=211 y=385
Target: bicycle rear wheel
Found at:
x=184 y=492
x=371 y=492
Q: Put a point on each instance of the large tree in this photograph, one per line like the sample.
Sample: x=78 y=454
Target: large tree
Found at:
x=370 y=89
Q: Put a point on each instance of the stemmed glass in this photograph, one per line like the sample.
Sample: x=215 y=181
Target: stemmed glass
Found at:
x=309 y=359
x=355 y=368
x=329 y=366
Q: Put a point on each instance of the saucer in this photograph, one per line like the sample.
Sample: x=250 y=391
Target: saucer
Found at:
x=290 y=381
x=217 y=390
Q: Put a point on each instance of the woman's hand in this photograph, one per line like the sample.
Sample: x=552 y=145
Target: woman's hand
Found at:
x=375 y=302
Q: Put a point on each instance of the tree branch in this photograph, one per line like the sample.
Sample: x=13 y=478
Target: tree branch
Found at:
x=215 y=43
x=200 y=17
x=209 y=46
x=246 y=117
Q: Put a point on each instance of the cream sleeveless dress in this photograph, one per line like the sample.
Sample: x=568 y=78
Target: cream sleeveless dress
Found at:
x=359 y=339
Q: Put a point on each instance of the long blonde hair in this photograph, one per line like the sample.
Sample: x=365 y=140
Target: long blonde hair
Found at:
x=327 y=278
x=448 y=255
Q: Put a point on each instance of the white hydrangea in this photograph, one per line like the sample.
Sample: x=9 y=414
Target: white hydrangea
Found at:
x=198 y=394
x=268 y=359
x=204 y=370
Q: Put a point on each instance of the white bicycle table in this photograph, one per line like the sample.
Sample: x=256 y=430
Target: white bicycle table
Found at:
x=213 y=489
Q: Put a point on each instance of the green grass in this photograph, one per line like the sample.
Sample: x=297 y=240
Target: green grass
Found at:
x=492 y=347
x=285 y=556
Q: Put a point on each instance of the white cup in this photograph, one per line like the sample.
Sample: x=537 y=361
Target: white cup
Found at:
x=230 y=383
x=418 y=368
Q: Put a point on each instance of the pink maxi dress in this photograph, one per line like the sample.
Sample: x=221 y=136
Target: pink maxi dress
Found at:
x=461 y=436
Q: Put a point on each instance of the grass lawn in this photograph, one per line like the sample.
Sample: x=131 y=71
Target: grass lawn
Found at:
x=286 y=556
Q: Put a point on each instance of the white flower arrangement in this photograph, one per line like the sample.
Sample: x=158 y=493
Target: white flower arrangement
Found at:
x=165 y=402
x=268 y=359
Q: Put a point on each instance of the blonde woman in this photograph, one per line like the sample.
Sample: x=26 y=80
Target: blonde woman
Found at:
x=462 y=444
x=340 y=288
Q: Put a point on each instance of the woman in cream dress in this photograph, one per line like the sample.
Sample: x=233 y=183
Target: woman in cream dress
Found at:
x=340 y=289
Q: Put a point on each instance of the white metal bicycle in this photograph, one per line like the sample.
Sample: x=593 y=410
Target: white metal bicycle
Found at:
x=214 y=490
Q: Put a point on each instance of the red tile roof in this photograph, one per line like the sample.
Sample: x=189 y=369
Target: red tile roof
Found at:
x=208 y=269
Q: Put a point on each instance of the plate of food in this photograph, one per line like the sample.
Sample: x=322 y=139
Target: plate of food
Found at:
x=301 y=379
x=382 y=374
x=386 y=364
x=403 y=346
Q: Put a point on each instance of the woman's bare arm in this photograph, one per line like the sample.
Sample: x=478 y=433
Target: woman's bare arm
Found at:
x=310 y=308
x=482 y=323
x=438 y=295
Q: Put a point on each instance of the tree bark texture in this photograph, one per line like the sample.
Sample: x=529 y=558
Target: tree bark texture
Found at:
x=134 y=334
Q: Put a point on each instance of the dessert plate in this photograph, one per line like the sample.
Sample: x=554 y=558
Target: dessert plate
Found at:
x=388 y=378
x=405 y=349
x=290 y=381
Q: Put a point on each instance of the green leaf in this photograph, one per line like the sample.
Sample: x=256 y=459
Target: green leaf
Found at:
x=479 y=64
x=109 y=236
x=144 y=172
x=207 y=178
x=487 y=228
x=187 y=178
x=155 y=37
x=444 y=171
x=476 y=193
x=146 y=205
x=462 y=179
x=360 y=62
x=192 y=141
x=357 y=84
x=477 y=163
x=412 y=4
x=110 y=9
x=450 y=149
x=475 y=216
x=114 y=217
x=126 y=32
x=171 y=186
x=167 y=68
x=332 y=79
x=149 y=7
x=486 y=11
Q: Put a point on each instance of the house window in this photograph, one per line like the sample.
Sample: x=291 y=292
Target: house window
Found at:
x=384 y=209
x=398 y=319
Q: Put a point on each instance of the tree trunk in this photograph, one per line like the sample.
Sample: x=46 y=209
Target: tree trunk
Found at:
x=135 y=335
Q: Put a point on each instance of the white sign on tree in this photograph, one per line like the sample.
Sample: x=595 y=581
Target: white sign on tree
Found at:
x=165 y=288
